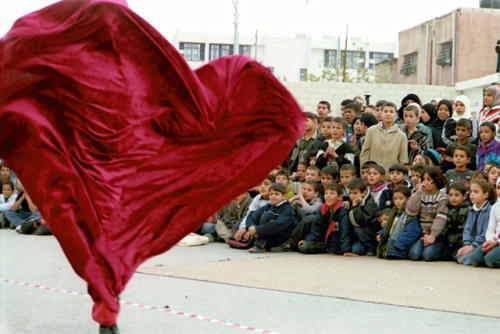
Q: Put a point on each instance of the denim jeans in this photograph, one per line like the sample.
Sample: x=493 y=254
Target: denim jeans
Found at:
x=366 y=243
x=17 y=218
x=206 y=228
x=490 y=259
x=429 y=253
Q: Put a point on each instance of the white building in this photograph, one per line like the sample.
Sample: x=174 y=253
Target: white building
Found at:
x=290 y=59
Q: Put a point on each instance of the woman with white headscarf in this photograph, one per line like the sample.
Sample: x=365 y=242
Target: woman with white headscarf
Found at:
x=461 y=111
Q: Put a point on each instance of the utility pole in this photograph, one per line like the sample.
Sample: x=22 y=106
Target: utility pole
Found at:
x=345 y=52
x=236 y=44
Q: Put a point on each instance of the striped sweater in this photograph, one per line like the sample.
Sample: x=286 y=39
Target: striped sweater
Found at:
x=431 y=210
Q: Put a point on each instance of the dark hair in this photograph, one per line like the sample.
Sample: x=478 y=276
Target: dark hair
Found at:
x=348 y=167
x=8 y=183
x=448 y=106
x=326 y=103
x=316 y=185
x=419 y=169
x=390 y=104
x=354 y=107
x=386 y=211
x=281 y=173
x=479 y=173
x=437 y=176
x=270 y=178
x=340 y=121
x=368 y=164
x=278 y=187
x=413 y=108
x=311 y=115
x=303 y=163
x=368 y=119
x=380 y=103
x=485 y=187
x=464 y=122
x=399 y=168
x=316 y=168
x=313 y=153
x=3 y=164
x=426 y=158
x=358 y=183
x=335 y=187
x=403 y=190
x=346 y=102
x=327 y=119
x=491 y=164
x=490 y=125
x=458 y=186
x=462 y=148
x=379 y=169
x=371 y=106
x=330 y=170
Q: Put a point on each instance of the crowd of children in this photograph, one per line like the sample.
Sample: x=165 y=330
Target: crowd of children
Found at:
x=418 y=182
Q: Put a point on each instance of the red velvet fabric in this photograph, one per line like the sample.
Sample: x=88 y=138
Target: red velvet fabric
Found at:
x=122 y=147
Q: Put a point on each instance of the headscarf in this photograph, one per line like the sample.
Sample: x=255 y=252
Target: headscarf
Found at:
x=433 y=121
x=413 y=97
x=448 y=104
x=495 y=92
x=467 y=114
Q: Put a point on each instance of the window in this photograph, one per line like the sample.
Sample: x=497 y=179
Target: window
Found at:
x=355 y=59
x=444 y=57
x=303 y=74
x=330 y=58
x=245 y=50
x=379 y=57
x=193 y=51
x=220 y=50
x=409 y=64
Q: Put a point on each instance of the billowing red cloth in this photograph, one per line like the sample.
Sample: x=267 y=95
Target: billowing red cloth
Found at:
x=122 y=147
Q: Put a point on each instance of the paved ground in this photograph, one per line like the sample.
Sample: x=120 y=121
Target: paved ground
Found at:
x=39 y=260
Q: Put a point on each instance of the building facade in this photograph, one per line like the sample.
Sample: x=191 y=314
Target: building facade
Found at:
x=458 y=46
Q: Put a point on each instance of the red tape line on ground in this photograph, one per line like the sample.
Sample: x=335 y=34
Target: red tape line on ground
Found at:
x=147 y=307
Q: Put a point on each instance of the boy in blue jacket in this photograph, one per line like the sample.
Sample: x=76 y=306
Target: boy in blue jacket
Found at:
x=331 y=231
x=272 y=224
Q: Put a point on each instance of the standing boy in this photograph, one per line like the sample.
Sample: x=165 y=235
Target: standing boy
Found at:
x=385 y=143
x=417 y=139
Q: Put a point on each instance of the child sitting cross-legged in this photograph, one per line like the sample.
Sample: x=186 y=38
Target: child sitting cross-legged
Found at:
x=283 y=178
x=329 y=174
x=458 y=210
x=401 y=231
x=347 y=174
x=272 y=224
x=330 y=231
x=398 y=174
x=461 y=157
x=363 y=217
x=477 y=220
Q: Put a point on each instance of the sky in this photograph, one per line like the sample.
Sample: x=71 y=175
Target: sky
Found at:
x=377 y=21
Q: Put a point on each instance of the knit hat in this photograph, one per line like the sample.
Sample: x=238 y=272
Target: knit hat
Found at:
x=433 y=155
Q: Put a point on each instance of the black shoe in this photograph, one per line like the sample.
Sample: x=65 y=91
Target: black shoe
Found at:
x=42 y=230
x=27 y=227
x=113 y=329
x=288 y=246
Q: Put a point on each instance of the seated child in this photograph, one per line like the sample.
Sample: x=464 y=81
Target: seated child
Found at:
x=488 y=149
x=430 y=205
x=21 y=211
x=416 y=174
x=307 y=199
x=463 y=129
x=376 y=184
x=479 y=175
x=460 y=173
x=401 y=230
x=6 y=175
x=312 y=174
x=383 y=216
x=489 y=252
x=477 y=220
x=330 y=231
x=347 y=174
x=300 y=174
x=335 y=151
x=7 y=200
x=398 y=174
x=493 y=174
x=363 y=216
x=312 y=157
x=421 y=159
x=458 y=209
x=365 y=168
x=329 y=174
x=272 y=224
x=488 y=165
x=229 y=218
x=282 y=177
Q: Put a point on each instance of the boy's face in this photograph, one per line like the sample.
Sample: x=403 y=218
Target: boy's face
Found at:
x=399 y=200
x=322 y=110
x=493 y=174
x=349 y=115
x=5 y=171
x=312 y=160
x=312 y=175
x=331 y=197
x=309 y=124
x=416 y=178
x=326 y=130
x=346 y=177
x=301 y=172
x=383 y=219
x=389 y=114
x=486 y=134
x=7 y=190
x=379 y=113
x=373 y=177
x=419 y=160
x=326 y=179
x=356 y=194
x=397 y=177
x=282 y=179
x=308 y=192
x=264 y=188
x=410 y=118
x=364 y=174
x=460 y=158
x=462 y=132
x=337 y=130
x=456 y=198
x=276 y=197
